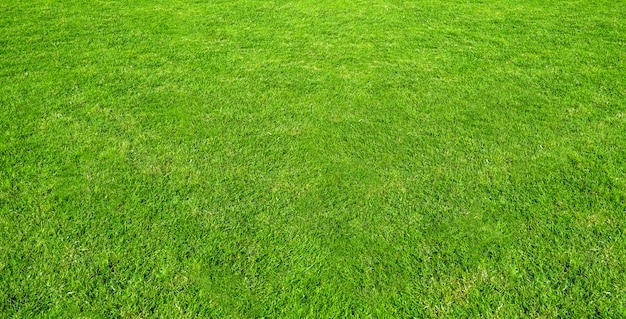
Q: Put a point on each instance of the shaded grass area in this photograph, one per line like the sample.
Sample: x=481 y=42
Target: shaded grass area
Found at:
x=312 y=158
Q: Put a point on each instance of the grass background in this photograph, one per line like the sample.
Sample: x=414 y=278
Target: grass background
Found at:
x=329 y=158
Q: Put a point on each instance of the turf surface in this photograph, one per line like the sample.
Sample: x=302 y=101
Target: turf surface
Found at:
x=328 y=158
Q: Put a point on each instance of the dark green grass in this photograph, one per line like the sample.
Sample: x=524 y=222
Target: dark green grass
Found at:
x=312 y=158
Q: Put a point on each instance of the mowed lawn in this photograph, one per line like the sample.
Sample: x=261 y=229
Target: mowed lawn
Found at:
x=327 y=158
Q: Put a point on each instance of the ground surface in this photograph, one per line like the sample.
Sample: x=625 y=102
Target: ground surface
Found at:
x=312 y=158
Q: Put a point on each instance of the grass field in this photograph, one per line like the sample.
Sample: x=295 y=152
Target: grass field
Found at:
x=328 y=158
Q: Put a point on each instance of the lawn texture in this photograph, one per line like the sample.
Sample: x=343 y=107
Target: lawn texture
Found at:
x=328 y=158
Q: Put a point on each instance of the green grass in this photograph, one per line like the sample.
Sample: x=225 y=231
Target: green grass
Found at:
x=328 y=158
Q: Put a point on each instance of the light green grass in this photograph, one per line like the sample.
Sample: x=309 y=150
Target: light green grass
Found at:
x=253 y=158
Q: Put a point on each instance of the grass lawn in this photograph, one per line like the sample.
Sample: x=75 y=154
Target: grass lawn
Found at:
x=327 y=158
